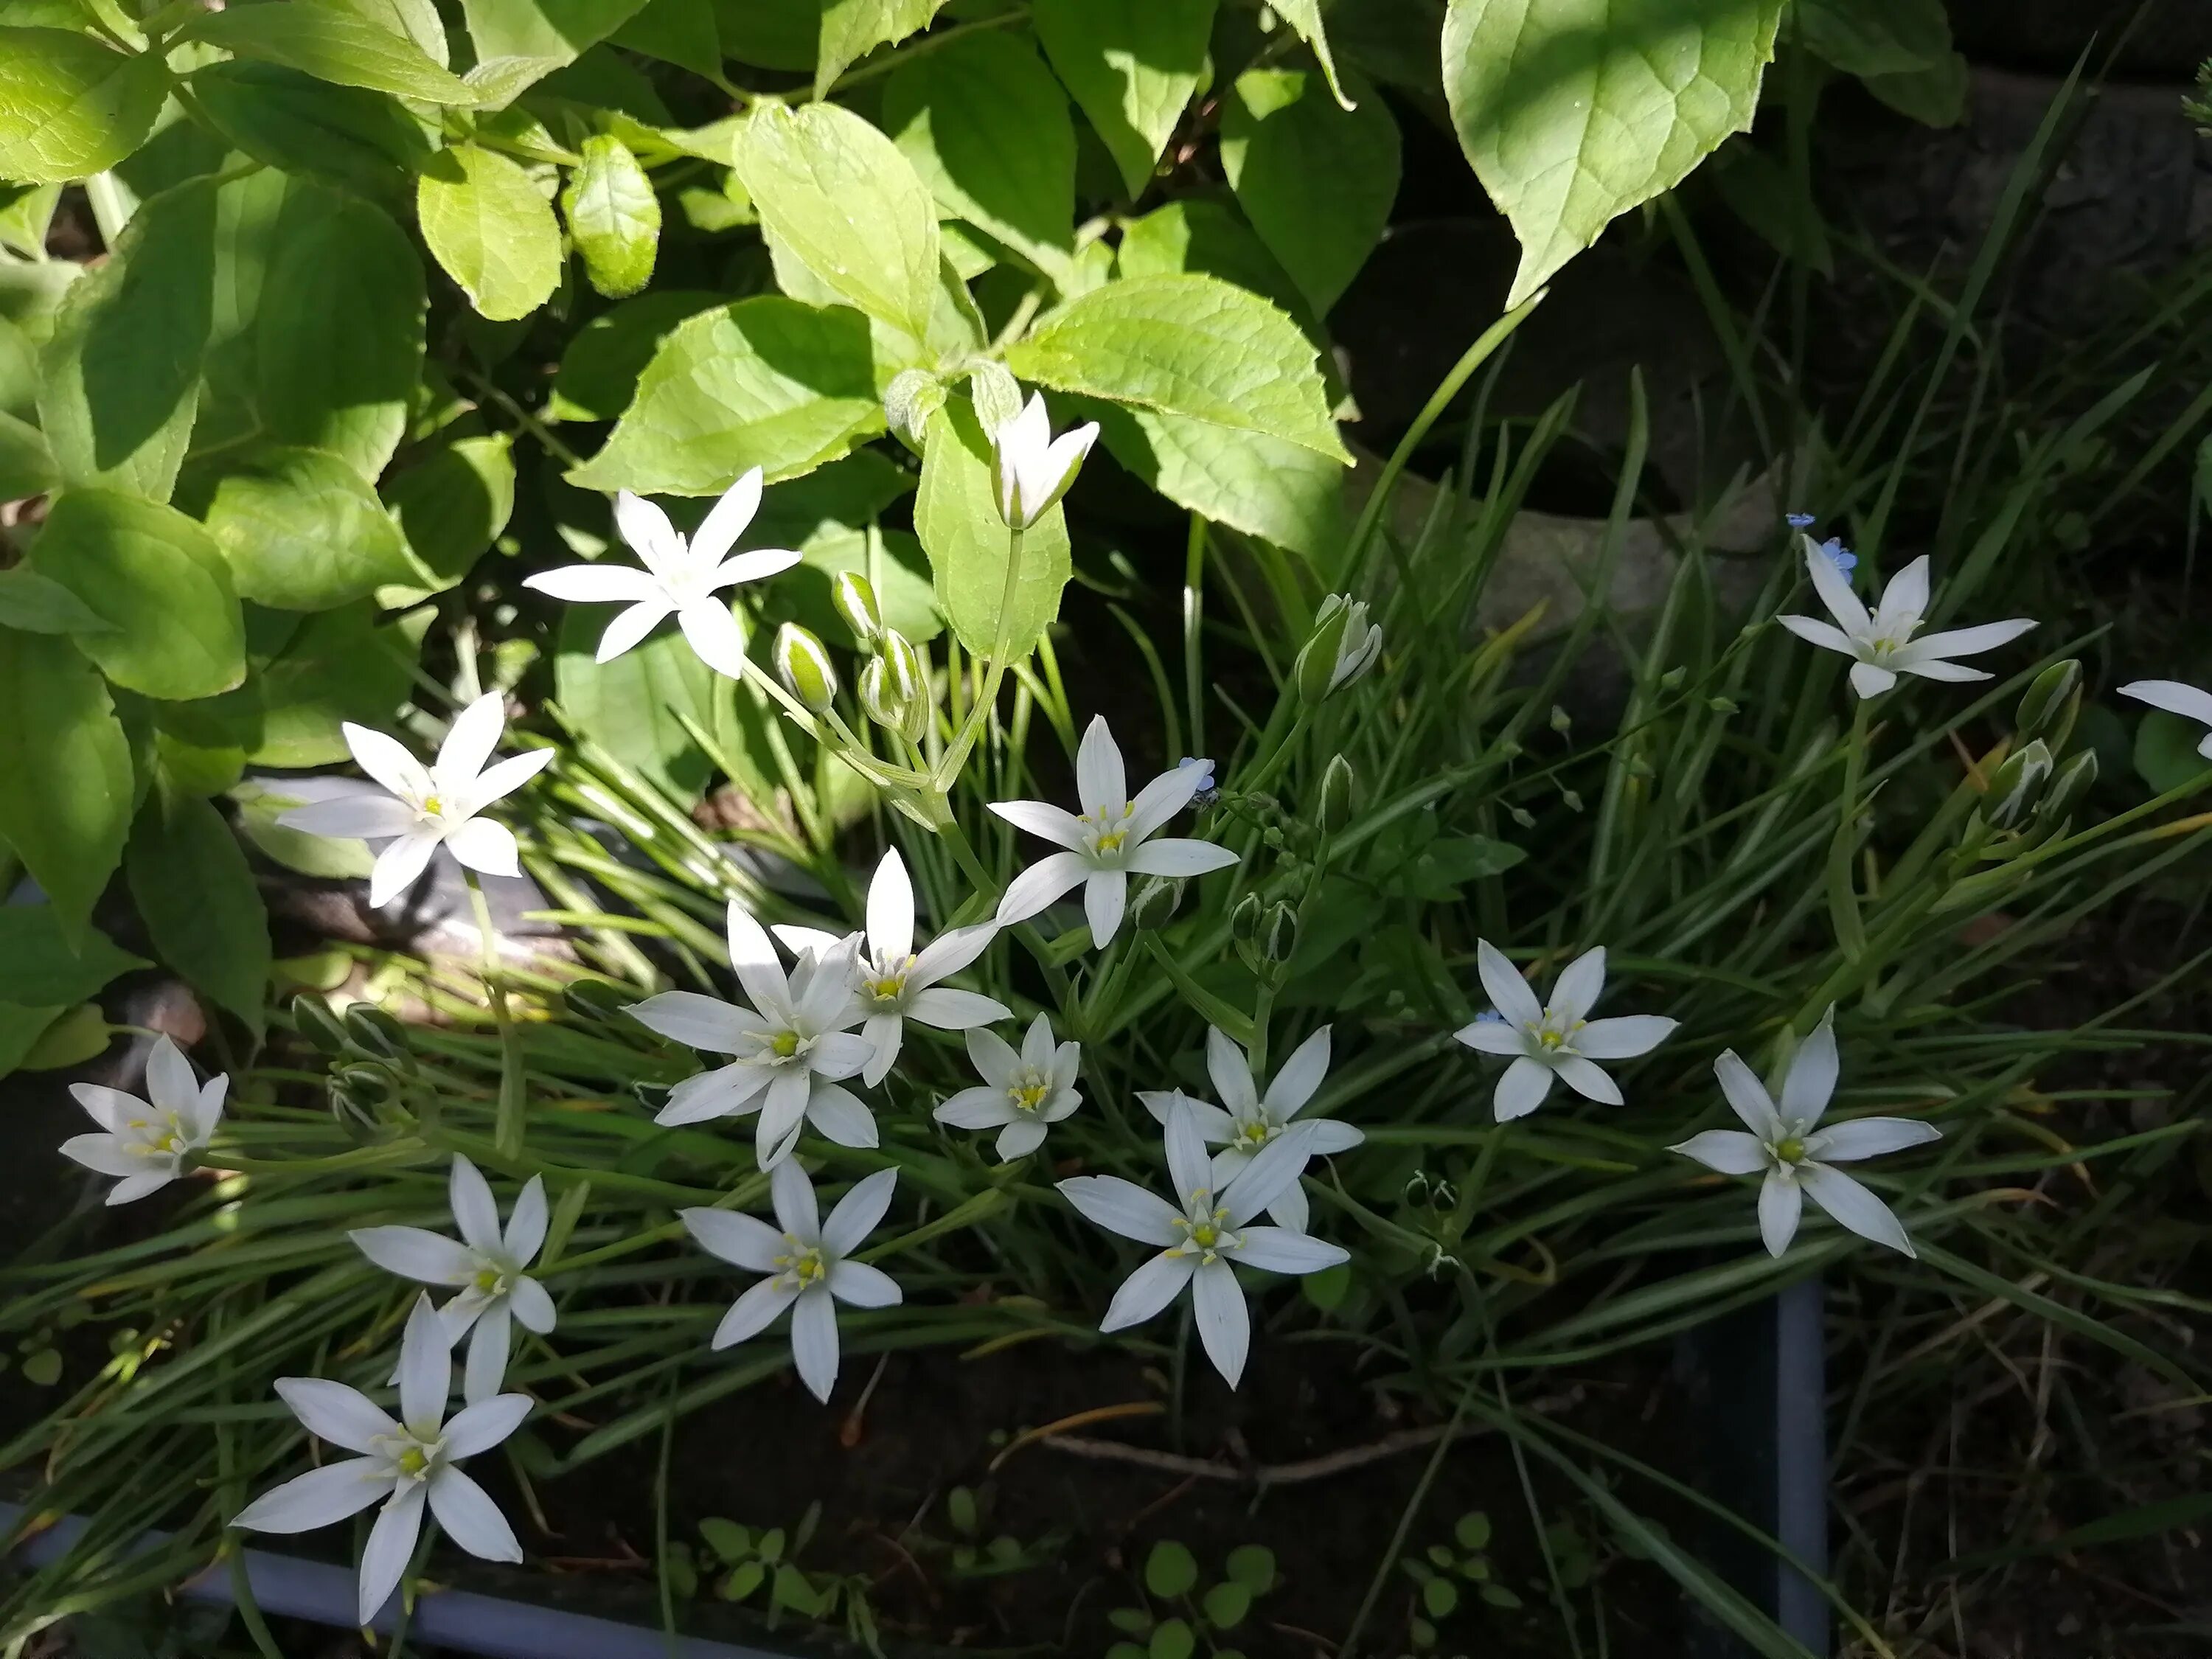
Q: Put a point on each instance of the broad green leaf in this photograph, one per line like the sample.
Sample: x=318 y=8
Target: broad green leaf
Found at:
x=842 y=495
x=26 y=215
x=1316 y=181
x=892 y=561
x=19 y=370
x=777 y=35
x=1132 y=65
x=196 y=894
x=333 y=859
x=27 y=463
x=1934 y=96
x=556 y=29
x=956 y=513
x=66 y=808
x=337 y=331
x=20 y=1029
x=158 y=582
x=988 y=129
x=289 y=120
x=333 y=44
x=1574 y=111
x=840 y=196
x=41 y=965
x=1304 y=18
x=599 y=370
x=37 y=605
x=451 y=504
x=491 y=228
x=120 y=377
x=630 y=707
x=851 y=29
x=1170 y=1570
x=302 y=530
x=1893 y=37
x=78 y=1037
x=763 y=382
x=340 y=665
x=2165 y=751
x=614 y=218
x=679 y=32
x=70 y=106
x=1201 y=235
x=417 y=19
x=1262 y=485
x=1186 y=345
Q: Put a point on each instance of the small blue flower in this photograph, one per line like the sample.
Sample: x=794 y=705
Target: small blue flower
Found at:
x=1839 y=556
x=1203 y=767
x=1800 y=520
x=1490 y=1016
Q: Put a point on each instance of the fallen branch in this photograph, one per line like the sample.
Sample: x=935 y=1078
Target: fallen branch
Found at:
x=1260 y=1475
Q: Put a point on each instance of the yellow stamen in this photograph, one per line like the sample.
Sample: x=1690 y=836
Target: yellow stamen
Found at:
x=784 y=1044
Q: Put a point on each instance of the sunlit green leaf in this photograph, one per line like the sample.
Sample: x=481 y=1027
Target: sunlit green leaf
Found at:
x=614 y=218
x=332 y=43
x=196 y=894
x=302 y=530
x=1316 y=181
x=492 y=229
x=1132 y=65
x=956 y=515
x=66 y=809
x=70 y=106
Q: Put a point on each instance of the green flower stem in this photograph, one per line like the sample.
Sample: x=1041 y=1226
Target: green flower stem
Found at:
x=513 y=1089
x=1842 y=892
x=948 y=770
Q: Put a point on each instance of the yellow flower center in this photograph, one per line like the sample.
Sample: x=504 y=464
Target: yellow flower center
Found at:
x=1029 y=1096
x=1258 y=1134
x=803 y=1263
x=487 y=1279
x=1790 y=1151
x=433 y=805
x=784 y=1044
x=1112 y=840
x=413 y=1460
x=888 y=988
x=1206 y=1227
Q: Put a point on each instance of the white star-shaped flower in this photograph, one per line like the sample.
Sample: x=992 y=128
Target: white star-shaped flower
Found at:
x=807 y=1261
x=484 y=1265
x=894 y=983
x=1795 y=1158
x=1247 y=1121
x=1031 y=468
x=1109 y=842
x=428 y=805
x=405 y=1463
x=1883 y=645
x=791 y=1049
x=1021 y=1093
x=145 y=1142
x=1204 y=1235
x=681 y=579
x=1554 y=1039
x=2176 y=698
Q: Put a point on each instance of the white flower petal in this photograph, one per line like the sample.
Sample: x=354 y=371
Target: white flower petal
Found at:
x=390 y=1544
x=753 y=1312
x=944 y=1009
x=1868 y=1137
x=484 y=1371
x=756 y=565
x=502 y=778
x=1290 y=1210
x=982 y=1108
x=1174 y=856
x=1280 y=1250
x=1869 y=680
x=1963 y=642
x=948 y=953
x=744 y=1241
x=385 y=760
x=476 y=1212
x=1730 y=1152
x=1273 y=1171
x=862 y=1286
x=1854 y=1206
x=479 y=1427
x=1814 y=632
x=1586 y=1078
x=838 y=1114
x=331 y=1411
x=1493 y=1036
x=595 y=584
x=170 y=1081
x=531 y=1305
x=1834 y=588
x=526 y=1222
x=131 y=1188
x=727 y=519
x=1105 y=899
x=1054 y=824
x=696 y=1021
x=399 y=866
x=111 y=1108
x=797 y=1211
x=1224 y=1323
x=1810 y=1082
x=1300 y=1076
x=859 y=1213
x=714 y=636
x=1746 y=1096
x=1578 y=986
x=317 y=1498
x=105 y=1154
x=1931 y=669
x=1160 y=801
x=426 y=1369
x=1509 y=992
x=1189 y=1170
x=486 y=845
x=470 y=741
x=891 y=909
x=427 y=1257
x=1780 y=1204
x=752 y=954
x=725 y=1092
x=358 y=817
x=1521 y=1089
x=647 y=530
x=814 y=1342
x=1019 y=1139
x=1043 y=884
x=1100 y=782
x=628 y=628
x=2173 y=697
x=470 y=1518
x=1231 y=1071
x=1124 y=1207
x=1147 y=1291
x=1623 y=1037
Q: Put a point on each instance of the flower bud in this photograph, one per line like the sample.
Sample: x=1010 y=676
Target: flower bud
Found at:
x=2048 y=706
x=1342 y=647
x=893 y=693
x=1244 y=919
x=1279 y=934
x=2017 y=786
x=856 y=603
x=1339 y=794
x=804 y=666
x=1154 y=903
x=312 y=1019
x=1561 y=721
x=914 y=395
x=375 y=1032
x=2067 y=789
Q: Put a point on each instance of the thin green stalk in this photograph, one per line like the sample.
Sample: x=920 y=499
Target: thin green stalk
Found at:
x=513 y=1092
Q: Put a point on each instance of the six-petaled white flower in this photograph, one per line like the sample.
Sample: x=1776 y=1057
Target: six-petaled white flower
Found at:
x=1247 y=1121
x=404 y=1463
x=428 y=805
x=1881 y=644
x=808 y=1263
x=1554 y=1039
x=791 y=1049
x=145 y=1141
x=894 y=982
x=681 y=579
x=1031 y=469
x=485 y=1265
x=2176 y=698
x=1021 y=1093
x=1109 y=842
x=1204 y=1236
x=1795 y=1156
